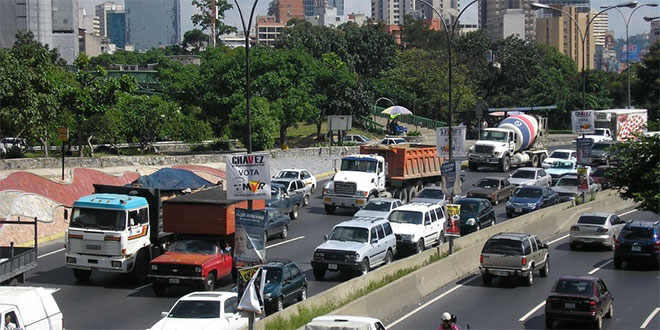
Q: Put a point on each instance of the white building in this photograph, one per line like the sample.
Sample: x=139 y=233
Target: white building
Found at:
x=327 y=16
x=35 y=16
x=600 y=28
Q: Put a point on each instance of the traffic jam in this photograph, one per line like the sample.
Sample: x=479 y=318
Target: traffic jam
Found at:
x=389 y=202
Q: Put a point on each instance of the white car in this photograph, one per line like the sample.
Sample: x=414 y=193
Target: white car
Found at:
x=418 y=226
x=391 y=141
x=559 y=154
x=378 y=208
x=348 y=322
x=530 y=176
x=600 y=135
x=203 y=310
x=298 y=174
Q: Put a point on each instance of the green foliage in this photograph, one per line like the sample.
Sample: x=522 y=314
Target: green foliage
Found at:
x=637 y=175
x=264 y=123
x=194 y=39
x=206 y=12
x=646 y=90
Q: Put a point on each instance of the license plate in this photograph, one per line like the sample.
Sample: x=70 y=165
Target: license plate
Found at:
x=500 y=273
x=636 y=248
x=518 y=209
x=569 y=305
x=174 y=281
x=327 y=200
x=93 y=247
x=359 y=201
x=332 y=266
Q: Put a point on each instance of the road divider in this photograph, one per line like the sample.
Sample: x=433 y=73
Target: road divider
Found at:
x=600 y=266
x=530 y=313
x=649 y=318
x=284 y=242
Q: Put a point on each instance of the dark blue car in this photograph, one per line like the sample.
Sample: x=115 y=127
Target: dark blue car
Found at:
x=638 y=241
x=530 y=198
x=286 y=284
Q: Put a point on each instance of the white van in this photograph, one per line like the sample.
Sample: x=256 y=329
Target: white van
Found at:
x=344 y=322
x=30 y=308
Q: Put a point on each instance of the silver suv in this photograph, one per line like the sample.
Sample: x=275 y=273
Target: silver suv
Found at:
x=355 y=245
x=514 y=255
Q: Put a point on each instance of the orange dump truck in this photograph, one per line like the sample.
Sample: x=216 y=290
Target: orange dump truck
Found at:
x=402 y=170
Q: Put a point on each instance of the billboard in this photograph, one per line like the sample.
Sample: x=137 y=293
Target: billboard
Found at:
x=248 y=176
x=583 y=121
x=584 y=150
x=249 y=245
x=457 y=141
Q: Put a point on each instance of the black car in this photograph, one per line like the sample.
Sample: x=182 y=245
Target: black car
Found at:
x=530 y=198
x=579 y=299
x=600 y=152
x=638 y=241
x=277 y=224
x=285 y=285
x=476 y=213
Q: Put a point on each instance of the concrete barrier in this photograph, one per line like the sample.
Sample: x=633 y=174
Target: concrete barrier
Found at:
x=387 y=301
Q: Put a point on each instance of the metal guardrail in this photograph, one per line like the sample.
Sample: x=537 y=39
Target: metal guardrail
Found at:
x=412 y=119
x=371 y=125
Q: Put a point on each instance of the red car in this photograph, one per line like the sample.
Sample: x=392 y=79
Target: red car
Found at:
x=579 y=299
x=195 y=261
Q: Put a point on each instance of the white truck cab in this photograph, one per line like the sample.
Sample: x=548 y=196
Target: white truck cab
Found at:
x=360 y=178
x=30 y=308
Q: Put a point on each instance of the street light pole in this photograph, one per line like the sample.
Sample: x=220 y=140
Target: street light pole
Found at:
x=246 y=32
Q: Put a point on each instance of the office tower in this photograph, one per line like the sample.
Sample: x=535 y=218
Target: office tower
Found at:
x=65 y=29
x=116 y=28
x=153 y=23
x=561 y=32
x=288 y=9
x=102 y=10
x=35 y=16
x=339 y=4
x=502 y=18
x=309 y=6
x=600 y=26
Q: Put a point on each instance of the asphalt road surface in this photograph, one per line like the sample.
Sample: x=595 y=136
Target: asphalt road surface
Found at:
x=507 y=305
x=111 y=301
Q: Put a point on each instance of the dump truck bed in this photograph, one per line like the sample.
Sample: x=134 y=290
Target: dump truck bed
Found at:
x=16 y=262
x=407 y=162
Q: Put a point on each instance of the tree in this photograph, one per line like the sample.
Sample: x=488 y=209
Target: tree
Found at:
x=647 y=88
x=205 y=19
x=265 y=123
x=638 y=174
x=195 y=40
x=373 y=50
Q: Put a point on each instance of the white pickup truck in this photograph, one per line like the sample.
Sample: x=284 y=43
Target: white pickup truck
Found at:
x=30 y=308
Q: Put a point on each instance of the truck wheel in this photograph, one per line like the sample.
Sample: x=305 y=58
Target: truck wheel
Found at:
x=505 y=164
x=473 y=167
x=397 y=194
x=546 y=268
x=82 y=275
x=294 y=213
x=541 y=159
x=209 y=282
x=159 y=289
x=412 y=193
x=330 y=209
x=139 y=273
x=319 y=273
x=404 y=195
x=535 y=161
x=529 y=279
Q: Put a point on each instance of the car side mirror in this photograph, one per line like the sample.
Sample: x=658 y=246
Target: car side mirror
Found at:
x=66 y=214
x=544 y=245
x=374 y=241
x=325 y=237
x=426 y=223
x=373 y=180
x=164 y=314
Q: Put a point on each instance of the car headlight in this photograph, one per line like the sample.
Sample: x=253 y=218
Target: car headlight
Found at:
x=497 y=153
x=471 y=222
x=531 y=205
x=352 y=257
x=508 y=203
x=471 y=149
x=154 y=267
x=198 y=269
x=319 y=255
x=268 y=295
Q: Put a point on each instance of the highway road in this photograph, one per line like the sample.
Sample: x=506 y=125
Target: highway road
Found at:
x=112 y=301
x=507 y=305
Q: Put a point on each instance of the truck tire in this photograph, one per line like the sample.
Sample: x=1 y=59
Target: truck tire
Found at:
x=474 y=167
x=294 y=213
x=404 y=195
x=330 y=209
x=541 y=159
x=82 y=275
x=505 y=164
x=141 y=268
x=159 y=289
x=535 y=161
x=412 y=192
x=209 y=282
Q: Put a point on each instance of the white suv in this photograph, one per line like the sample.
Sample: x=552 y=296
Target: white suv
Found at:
x=418 y=225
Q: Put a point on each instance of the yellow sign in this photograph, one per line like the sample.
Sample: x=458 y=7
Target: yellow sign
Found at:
x=247 y=273
x=454 y=210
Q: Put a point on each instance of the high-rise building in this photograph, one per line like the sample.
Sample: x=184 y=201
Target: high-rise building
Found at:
x=502 y=18
x=35 y=16
x=116 y=28
x=562 y=32
x=600 y=25
x=339 y=4
x=309 y=7
x=102 y=10
x=268 y=30
x=654 y=35
x=153 y=23
x=393 y=12
x=288 y=9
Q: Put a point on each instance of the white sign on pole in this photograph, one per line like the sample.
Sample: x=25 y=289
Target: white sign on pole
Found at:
x=583 y=121
x=248 y=176
x=457 y=143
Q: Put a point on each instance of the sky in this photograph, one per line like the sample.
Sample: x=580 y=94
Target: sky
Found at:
x=616 y=23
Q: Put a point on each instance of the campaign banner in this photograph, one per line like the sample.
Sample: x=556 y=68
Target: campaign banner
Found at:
x=583 y=184
x=448 y=170
x=249 y=245
x=457 y=141
x=248 y=176
x=583 y=121
x=584 y=146
x=453 y=223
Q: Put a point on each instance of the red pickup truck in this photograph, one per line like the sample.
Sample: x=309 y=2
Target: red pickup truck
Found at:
x=204 y=224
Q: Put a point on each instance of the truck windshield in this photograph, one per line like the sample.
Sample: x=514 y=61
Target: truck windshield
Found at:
x=194 y=246
x=599 y=132
x=358 y=165
x=352 y=234
x=98 y=219
x=196 y=309
x=493 y=136
x=412 y=217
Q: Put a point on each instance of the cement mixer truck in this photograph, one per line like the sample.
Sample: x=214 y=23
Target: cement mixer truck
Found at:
x=518 y=140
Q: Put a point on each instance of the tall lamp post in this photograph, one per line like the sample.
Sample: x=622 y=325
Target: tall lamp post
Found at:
x=583 y=34
x=627 y=22
x=246 y=32
x=374 y=111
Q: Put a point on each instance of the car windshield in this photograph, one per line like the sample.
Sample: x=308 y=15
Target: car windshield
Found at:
x=574 y=286
x=287 y=175
x=377 y=206
x=528 y=193
x=98 y=219
x=560 y=154
x=358 y=165
x=493 y=136
x=567 y=182
x=592 y=220
x=352 y=234
x=194 y=246
x=469 y=207
x=562 y=165
x=488 y=183
x=195 y=309
x=431 y=193
x=412 y=217
x=273 y=275
x=637 y=233
x=503 y=246
x=523 y=174
x=600 y=146
x=599 y=132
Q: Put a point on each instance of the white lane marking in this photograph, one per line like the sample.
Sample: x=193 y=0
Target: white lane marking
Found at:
x=648 y=319
x=631 y=211
x=142 y=287
x=287 y=241
x=557 y=240
x=430 y=302
x=601 y=266
x=522 y=319
x=49 y=253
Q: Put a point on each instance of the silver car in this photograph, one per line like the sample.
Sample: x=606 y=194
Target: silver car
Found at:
x=530 y=176
x=378 y=208
x=596 y=228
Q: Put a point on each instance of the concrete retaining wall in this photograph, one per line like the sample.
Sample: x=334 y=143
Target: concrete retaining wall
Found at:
x=392 y=299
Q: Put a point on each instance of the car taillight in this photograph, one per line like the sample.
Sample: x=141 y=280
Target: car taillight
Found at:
x=592 y=304
x=524 y=261
x=575 y=228
x=657 y=245
x=617 y=242
x=481 y=258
